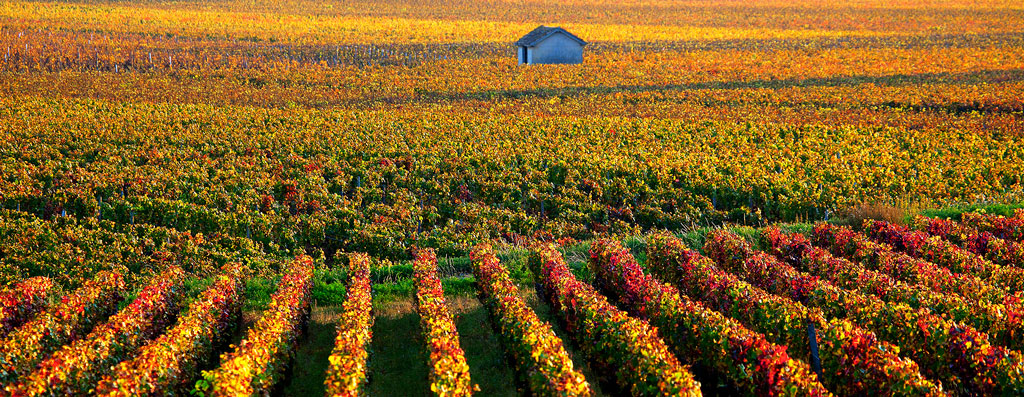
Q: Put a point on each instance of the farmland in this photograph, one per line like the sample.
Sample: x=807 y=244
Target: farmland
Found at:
x=371 y=197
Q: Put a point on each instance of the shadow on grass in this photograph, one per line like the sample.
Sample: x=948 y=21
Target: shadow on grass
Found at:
x=308 y=368
x=398 y=360
x=488 y=367
x=546 y=313
x=996 y=76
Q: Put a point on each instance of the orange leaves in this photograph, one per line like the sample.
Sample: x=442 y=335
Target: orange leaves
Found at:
x=614 y=341
x=946 y=254
x=255 y=365
x=169 y=364
x=681 y=115
x=538 y=353
x=843 y=241
x=684 y=164
x=1005 y=252
x=943 y=351
x=77 y=367
x=1009 y=228
x=854 y=360
x=22 y=300
x=78 y=312
x=346 y=368
x=701 y=335
x=449 y=375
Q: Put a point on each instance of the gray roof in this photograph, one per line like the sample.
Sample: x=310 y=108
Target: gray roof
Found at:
x=542 y=32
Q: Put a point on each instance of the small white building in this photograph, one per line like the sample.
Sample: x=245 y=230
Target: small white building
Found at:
x=547 y=44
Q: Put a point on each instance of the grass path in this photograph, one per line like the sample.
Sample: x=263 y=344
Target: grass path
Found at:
x=398 y=360
x=308 y=368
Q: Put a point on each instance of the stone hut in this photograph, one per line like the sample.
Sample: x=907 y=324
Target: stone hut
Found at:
x=547 y=45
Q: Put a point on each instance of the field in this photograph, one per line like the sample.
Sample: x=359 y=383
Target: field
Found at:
x=226 y=197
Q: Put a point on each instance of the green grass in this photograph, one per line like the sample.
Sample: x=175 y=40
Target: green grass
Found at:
x=488 y=367
x=398 y=362
x=258 y=292
x=406 y=289
x=328 y=294
x=954 y=212
x=309 y=368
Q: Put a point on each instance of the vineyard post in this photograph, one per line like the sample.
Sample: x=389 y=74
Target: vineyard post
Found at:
x=812 y=339
x=522 y=198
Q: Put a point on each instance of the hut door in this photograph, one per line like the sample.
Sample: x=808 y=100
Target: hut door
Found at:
x=526 y=54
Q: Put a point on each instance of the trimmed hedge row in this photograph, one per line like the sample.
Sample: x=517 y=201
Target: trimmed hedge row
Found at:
x=797 y=251
x=945 y=253
x=617 y=343
x=346 y=368
x=255 y=365
x=169 y=364
x=853 y=360
x=1007 y=228
x=537 y=352
x=75 y=368
x=843 y=241
x=76 y=314
x=986 y=244
x=959 y=355
x=700 y=335
x=449 y=372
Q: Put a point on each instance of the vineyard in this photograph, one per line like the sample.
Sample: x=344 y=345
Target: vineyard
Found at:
x=822 y=310
x=372 y=197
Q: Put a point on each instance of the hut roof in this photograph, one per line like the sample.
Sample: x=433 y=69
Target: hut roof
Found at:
x=542 y=32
